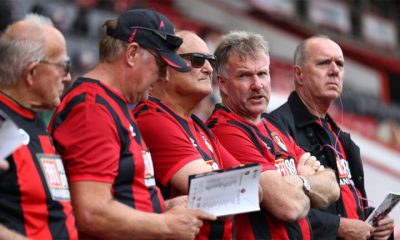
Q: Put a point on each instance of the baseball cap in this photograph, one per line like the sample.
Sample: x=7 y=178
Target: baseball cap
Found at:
x=151 y=30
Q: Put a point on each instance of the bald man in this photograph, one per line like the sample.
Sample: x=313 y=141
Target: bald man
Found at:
x=34 y=193
x=167 y=123
x=318 y=77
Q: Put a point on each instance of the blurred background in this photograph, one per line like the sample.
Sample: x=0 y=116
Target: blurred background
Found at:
x=367 y=30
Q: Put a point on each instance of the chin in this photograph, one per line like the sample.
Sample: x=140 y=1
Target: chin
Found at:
x=207 y=92
x=259 y=110
x=54 y=104
x=333 y=95
x=142 y=98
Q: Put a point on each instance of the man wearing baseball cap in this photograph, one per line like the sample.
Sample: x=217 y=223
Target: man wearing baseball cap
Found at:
x=108 y=164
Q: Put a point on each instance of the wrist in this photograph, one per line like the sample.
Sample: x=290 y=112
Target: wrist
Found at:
x=306 y=184
x=342 y=227
x=164 y=231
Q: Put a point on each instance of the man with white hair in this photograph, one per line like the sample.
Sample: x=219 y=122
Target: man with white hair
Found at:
x=34 y=193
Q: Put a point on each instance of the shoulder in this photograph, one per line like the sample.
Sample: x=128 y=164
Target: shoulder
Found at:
x=282 y=116
x=282 y=111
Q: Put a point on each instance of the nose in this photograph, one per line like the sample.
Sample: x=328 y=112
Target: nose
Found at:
x=67 y=78
x=207 y=68
x=334 y=68
x=256 y=83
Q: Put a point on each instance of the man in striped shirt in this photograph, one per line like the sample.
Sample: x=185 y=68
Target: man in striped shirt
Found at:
x=108 y=163
x=292 y=180
x=34 y=193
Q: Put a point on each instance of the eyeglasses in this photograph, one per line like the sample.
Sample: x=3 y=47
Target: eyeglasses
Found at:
x=197 y=60
x=63 y=66
x=172 y=40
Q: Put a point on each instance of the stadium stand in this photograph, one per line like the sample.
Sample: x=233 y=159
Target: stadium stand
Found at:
x=370 y=103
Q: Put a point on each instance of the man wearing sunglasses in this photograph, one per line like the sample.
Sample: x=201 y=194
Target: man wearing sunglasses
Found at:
x=292 y=180
x=109 y=166
x=34 y=194
x=179 y=142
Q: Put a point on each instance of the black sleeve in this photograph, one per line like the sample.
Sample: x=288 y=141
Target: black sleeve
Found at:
x=324 y=225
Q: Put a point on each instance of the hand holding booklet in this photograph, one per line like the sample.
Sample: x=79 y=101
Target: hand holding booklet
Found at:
x=226 y=192
x=386 y=206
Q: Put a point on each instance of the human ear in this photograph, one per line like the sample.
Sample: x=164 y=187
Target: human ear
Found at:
x=131 y=53
x=298 y=75
x=29 y=73
x=222 y=84
x=166 y=75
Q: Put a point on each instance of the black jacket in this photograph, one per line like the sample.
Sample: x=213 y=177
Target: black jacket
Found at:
x=311 y=136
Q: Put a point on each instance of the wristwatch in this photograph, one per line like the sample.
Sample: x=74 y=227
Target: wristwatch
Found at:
x=306 y=184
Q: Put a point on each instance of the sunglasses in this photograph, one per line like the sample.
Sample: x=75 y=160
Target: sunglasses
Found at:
x=173 y=41
x=64 y=66
x=197 y=60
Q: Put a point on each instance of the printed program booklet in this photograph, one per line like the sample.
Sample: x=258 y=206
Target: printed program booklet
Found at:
x=226 y=192
x=11 y=137
x=386 y=206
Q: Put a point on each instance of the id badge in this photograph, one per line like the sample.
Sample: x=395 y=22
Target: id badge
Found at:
x=286 y=167
x=214 y=166
x=56 y=179
x=148 y=169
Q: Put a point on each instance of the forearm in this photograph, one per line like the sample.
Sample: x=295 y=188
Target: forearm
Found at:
x=117 y=221
x=324 y=188
x=98 y=214
x=284 y=197
x=6 y=234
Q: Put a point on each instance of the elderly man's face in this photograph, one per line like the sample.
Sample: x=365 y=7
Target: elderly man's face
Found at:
x=247 y=85
x=197 y=82
x=51 y=74
x=323 y=70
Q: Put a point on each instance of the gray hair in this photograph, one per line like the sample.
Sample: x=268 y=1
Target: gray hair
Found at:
x=300 y=55
x=18 y=50
x=245 y=44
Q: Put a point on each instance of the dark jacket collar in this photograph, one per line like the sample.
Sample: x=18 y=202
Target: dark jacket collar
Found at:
x=302 y=116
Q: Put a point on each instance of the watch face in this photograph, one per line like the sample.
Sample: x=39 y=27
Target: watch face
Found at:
x=306 y=184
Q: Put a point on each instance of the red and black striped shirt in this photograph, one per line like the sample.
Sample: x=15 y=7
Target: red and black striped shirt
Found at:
x=95 y=133
x=30 y=203
x=175 y=141
x=274 y=151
